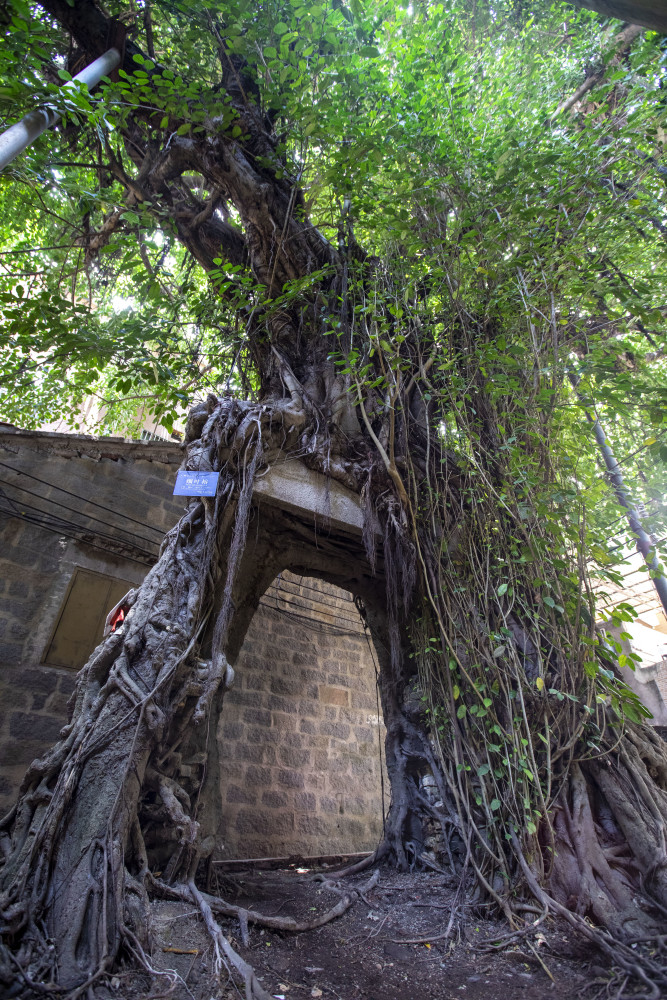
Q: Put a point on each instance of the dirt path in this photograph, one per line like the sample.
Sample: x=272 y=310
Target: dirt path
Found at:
x=386 y=947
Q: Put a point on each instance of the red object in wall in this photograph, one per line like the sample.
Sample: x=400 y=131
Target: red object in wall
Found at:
x=117 y=619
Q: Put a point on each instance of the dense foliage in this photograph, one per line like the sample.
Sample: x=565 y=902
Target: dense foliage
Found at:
x=496 y=276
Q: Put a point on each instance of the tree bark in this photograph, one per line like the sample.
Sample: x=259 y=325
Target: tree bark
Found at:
x=649 y=13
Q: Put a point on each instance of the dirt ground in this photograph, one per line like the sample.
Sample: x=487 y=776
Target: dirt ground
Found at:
x=388 y=946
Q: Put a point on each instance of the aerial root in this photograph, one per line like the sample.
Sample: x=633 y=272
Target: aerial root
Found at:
x=360 y=866
x=253 y=989
x=652 y=974
x=223 y=909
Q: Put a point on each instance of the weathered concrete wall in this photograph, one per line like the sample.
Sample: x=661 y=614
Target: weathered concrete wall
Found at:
x=302 y=763
x=300 y=728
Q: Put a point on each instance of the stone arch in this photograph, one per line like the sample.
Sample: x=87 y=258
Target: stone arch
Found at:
x=315 y=539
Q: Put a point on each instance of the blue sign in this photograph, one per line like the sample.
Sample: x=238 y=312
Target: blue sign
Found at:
x=196 y=484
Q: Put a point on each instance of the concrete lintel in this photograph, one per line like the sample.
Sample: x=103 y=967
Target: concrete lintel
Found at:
x=291 y=486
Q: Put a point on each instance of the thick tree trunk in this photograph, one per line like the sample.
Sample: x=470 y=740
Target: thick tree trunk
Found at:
x=650 y=13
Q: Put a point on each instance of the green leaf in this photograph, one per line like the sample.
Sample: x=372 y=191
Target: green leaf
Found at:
x=502 y=589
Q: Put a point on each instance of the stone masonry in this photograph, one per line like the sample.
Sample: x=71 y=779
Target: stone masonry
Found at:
x=299 y=730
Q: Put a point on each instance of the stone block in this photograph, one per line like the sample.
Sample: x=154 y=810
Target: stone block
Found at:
x=304 y=660
x=305 y=802
x=257 y=717
x=274 y=799
x=289 y=778
x=293 y=757
x=66 y=685
x=355 y=805
x=308 y=727
x=43 y=679
x=22 y=752
x=269 y=737
x=342 y=680
x=256 y=821
x=277 y=704
x=283 y=721
x=361 y=766
x=321 y=760
x=309 y=708
x=351 y=828
x=296 y=740
x=11 y=652
x=369 y=734
x=259 y=777
x=333 y=695
x=244 y=795
x=314 y=780
x=314 y=826
x=32 y=727
x=157 y=487
x=291 y=486
x=251 y=752
x=254 y=681
x=232 y=730
x=285 y=686
x=310 y=675
x=338 y=781
x=329 y=805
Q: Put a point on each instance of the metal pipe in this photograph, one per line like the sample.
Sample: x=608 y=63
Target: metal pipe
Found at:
x=18 y=137
x=642 y=538
x=644 y=543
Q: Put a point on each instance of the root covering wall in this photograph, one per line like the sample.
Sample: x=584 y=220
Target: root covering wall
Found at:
x=299 y=728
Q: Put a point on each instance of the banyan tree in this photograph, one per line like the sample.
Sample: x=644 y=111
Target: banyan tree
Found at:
x=418 y=245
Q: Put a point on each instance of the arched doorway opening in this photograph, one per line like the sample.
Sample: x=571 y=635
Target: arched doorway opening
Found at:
x=301 y=736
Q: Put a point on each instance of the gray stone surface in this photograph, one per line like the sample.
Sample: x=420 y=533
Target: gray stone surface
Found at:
x=293 y=487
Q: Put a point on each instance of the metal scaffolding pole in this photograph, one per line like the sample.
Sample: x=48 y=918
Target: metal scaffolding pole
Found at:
x=18 y=137
x=643 y=540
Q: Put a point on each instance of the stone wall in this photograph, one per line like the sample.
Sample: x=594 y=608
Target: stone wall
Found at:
x=300 y=733
x=300 y=729
x=46 y=533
